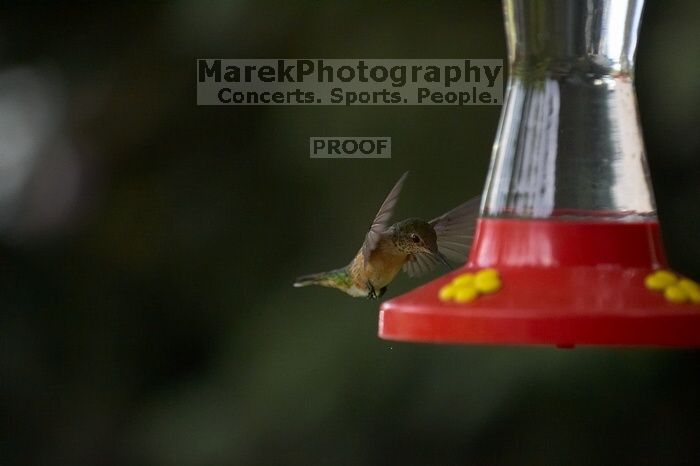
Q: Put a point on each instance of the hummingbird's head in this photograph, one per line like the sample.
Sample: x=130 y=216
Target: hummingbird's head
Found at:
x=415 y=236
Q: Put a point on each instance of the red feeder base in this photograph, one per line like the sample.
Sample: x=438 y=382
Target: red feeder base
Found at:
x=564 y=283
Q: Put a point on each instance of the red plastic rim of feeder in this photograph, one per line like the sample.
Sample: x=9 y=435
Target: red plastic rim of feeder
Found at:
x=564 y=283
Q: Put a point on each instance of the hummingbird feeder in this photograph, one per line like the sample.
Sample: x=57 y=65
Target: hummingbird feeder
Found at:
x=567 y=249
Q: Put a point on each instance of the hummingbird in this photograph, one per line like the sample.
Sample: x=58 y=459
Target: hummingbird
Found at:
x=414 y=245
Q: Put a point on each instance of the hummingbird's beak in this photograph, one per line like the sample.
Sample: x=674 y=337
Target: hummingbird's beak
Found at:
x=438 y=255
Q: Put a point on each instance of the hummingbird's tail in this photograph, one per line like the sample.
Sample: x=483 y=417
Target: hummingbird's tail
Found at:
x=337 y=278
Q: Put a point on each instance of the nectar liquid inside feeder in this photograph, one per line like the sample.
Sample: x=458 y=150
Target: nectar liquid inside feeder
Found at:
x=568 y=232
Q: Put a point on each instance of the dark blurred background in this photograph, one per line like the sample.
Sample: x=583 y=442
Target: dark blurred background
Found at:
x=148 y=246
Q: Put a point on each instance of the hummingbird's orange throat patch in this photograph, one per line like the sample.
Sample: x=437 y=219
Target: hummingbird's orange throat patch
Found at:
x=467 y=287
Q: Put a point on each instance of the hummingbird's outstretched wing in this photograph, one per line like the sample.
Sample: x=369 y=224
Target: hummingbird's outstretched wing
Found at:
x=419 y=264
x=455 y=230
x=381 y=221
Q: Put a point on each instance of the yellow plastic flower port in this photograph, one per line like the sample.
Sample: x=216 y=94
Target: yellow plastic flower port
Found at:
x=675 y=294
x=447 y=292
x=691 y=288
x=468 y=286
x=675 y=289
x=660 y=279
x=466 y=279
x=466 y=294
x=488 y=281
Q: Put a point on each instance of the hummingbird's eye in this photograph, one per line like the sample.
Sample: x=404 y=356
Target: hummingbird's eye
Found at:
x=415 y=238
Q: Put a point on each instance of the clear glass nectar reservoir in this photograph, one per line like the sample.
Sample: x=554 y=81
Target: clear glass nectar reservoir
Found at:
x=569 y=142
